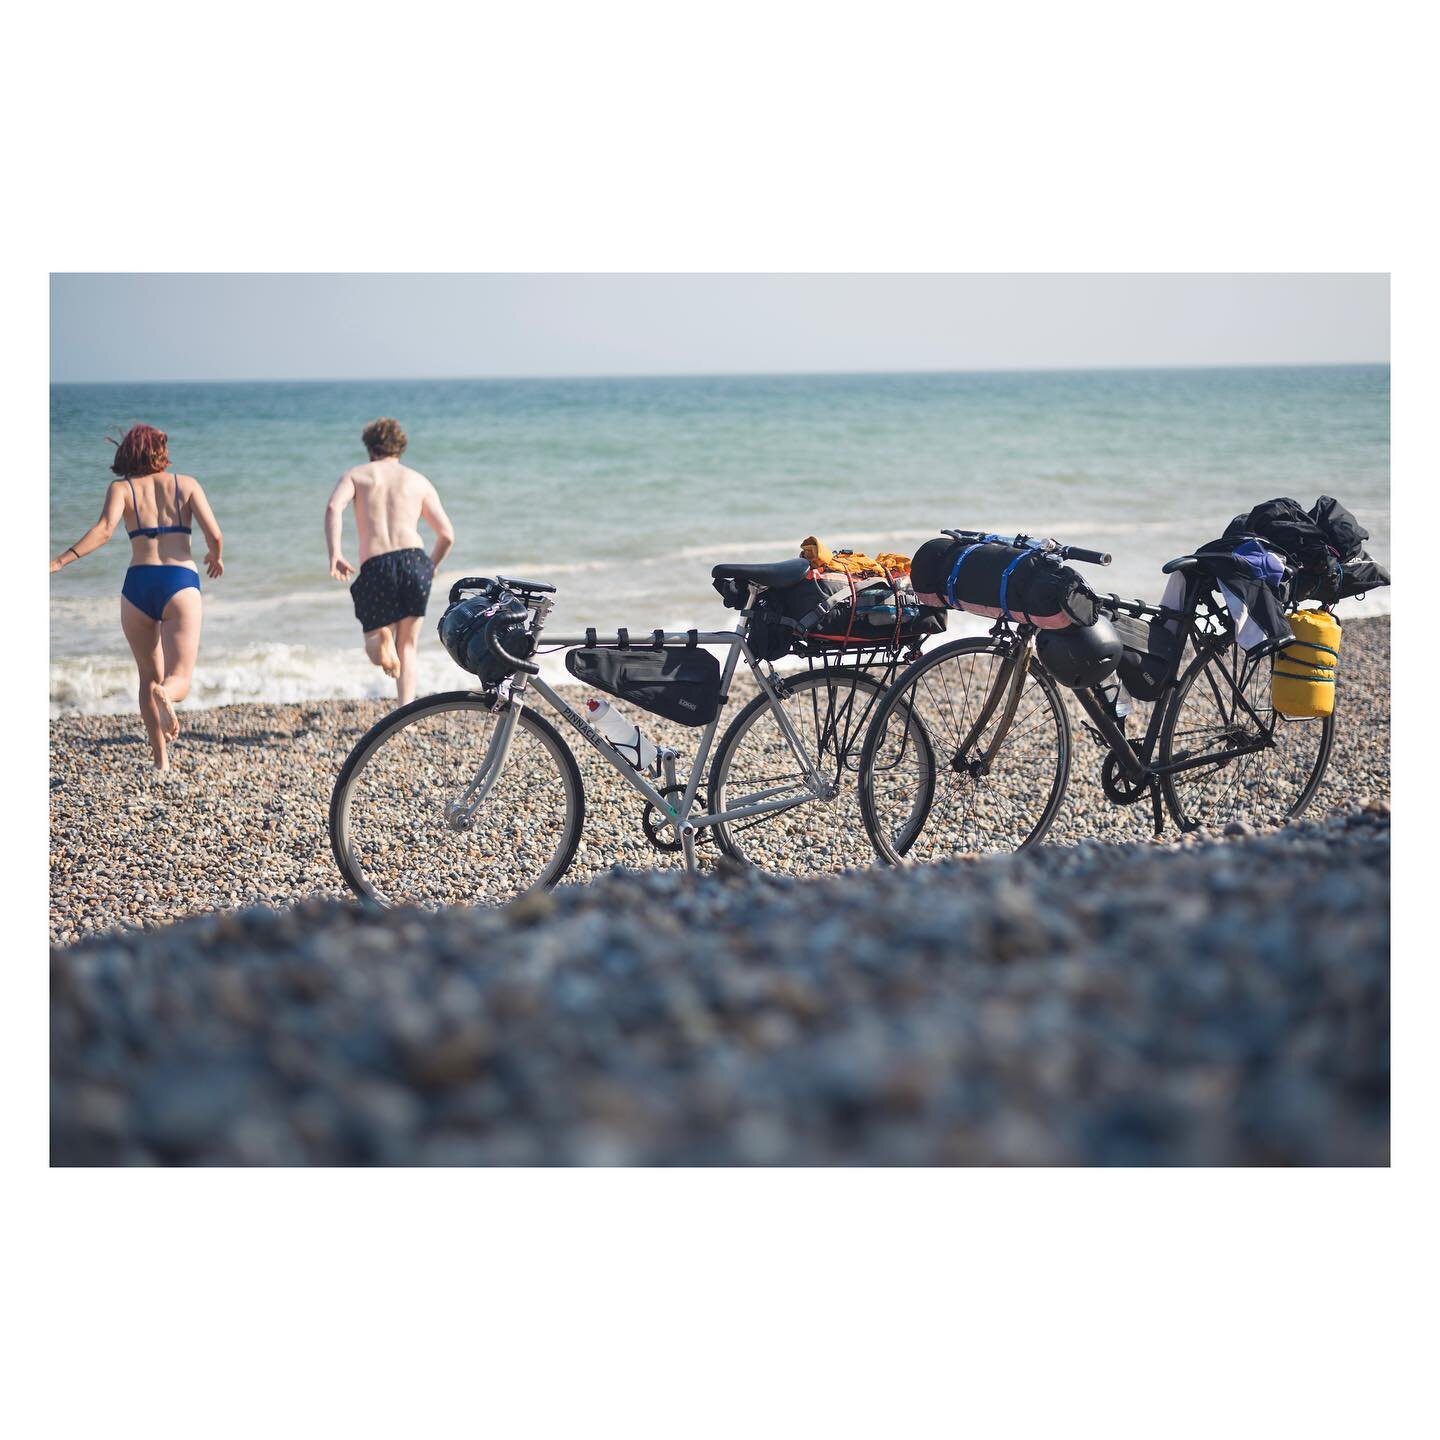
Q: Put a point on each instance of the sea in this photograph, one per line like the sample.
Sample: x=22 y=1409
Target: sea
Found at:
x=623 y=493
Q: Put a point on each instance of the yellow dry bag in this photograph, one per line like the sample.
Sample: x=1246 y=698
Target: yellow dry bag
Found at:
x=1302 y=683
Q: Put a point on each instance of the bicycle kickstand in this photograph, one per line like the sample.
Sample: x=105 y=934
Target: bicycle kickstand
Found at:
x=1157 y=810
x=686 y=834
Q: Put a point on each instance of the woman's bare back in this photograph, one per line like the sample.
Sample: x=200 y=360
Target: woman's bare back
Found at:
x=150 y=501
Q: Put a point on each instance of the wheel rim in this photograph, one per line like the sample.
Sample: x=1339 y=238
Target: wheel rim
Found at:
x=1264 y=787
x=814 y=837
x=1006 y=808
x=389 y=825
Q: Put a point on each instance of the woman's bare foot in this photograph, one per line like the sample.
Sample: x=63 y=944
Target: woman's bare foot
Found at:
x=169 y=720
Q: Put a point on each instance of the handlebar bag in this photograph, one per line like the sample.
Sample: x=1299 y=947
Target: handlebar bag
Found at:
x=1001 y=580
x=466 y=626
x=680 y=682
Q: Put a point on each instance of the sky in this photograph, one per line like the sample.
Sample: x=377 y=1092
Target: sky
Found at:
x=128 y=327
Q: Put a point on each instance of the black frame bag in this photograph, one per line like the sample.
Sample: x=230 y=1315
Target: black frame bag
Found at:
x=679 y=682
x=1152 y=649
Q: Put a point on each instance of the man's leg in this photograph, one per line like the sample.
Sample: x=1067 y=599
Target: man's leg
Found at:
x=407 y=632
x=143 y=635
x=380 y=647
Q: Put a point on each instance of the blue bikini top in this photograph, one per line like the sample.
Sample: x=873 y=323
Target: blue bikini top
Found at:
x=151 y=531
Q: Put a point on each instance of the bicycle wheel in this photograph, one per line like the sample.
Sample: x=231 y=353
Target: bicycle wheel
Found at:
x=387 y=814
x=1260 y=787
x=1009 y=806
x=829 y=710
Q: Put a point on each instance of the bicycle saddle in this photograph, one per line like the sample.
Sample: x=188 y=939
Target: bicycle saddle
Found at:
x=1184 y=562
x=783 y=572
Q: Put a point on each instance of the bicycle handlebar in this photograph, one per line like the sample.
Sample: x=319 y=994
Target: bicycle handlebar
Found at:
x=1026 y=542
x=470 y=582
x=492 y=641
x=484 y=582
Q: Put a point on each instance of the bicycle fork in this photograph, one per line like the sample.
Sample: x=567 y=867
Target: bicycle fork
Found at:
x=460 y=814
x=1012 y=682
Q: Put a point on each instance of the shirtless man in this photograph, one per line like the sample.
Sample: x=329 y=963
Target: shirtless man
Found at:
x=393 y=585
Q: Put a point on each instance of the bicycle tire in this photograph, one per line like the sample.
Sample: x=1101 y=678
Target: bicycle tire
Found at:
x=816 y=843
x=1172 y=785
x=906 y=685
x=343 y=841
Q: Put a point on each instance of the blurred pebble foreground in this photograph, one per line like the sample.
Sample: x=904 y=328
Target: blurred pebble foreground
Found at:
x=1220 y=1003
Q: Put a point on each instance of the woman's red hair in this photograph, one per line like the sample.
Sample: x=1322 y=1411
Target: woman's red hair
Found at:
x=144 y=450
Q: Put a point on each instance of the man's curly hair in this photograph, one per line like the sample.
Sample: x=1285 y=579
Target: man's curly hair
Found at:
x=384 y=438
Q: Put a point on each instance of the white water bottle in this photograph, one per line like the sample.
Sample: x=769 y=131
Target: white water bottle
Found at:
x=606 y=720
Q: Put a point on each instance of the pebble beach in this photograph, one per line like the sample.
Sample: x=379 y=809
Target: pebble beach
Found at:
x=1103 y=999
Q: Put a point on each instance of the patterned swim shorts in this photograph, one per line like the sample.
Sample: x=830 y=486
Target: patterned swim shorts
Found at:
x=390 y=587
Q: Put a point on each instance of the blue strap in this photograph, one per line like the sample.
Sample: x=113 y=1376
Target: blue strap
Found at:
x=960 y=560
x=955 y=571
x=135 y=503
x=1005 y=581
x=178 y=516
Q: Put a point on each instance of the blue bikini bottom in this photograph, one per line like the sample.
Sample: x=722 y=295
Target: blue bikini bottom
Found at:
x=151 y=587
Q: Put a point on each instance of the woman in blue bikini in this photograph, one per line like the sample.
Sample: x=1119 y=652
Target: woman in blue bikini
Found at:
x=160 y=600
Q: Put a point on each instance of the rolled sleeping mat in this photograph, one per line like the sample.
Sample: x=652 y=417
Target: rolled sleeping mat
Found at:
x=994 y=579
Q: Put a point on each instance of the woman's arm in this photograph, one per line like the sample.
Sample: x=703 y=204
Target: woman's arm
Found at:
x=111 y=513
x=209 y=527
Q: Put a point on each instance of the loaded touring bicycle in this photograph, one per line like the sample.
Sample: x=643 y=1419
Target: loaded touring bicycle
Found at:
x=475 y=796
x=1215 y=749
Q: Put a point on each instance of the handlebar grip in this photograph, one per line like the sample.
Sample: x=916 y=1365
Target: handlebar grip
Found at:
x=470 y=582
x=500 y=652
x=1087 y=557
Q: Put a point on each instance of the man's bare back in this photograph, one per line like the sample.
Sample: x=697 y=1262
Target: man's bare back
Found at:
x=390 y=500
x=393 y=582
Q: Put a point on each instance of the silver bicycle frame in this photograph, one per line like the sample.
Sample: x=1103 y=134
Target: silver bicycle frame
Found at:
x=815 y=786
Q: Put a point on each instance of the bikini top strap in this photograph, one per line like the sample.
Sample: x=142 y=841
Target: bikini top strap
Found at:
x=134 y=502
x=179 y=516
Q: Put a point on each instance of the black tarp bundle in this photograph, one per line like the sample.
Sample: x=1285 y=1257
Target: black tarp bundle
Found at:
x=1324 y=544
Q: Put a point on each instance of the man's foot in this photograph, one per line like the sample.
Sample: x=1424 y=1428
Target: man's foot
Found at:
x=169 y=720
x=380 y=647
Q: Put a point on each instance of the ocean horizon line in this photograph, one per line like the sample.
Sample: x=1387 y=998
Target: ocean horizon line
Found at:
x=637 y=375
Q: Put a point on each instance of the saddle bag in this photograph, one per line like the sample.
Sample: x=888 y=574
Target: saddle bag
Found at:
x=680 y=682
x=994 y=579
x=1151 y=650
x=1302 y=677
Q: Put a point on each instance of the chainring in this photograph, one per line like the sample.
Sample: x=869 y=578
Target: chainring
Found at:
x=657 y=826
x=1119 y=788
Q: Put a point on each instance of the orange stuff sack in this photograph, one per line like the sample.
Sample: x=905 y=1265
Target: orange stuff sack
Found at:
x=852 y=562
